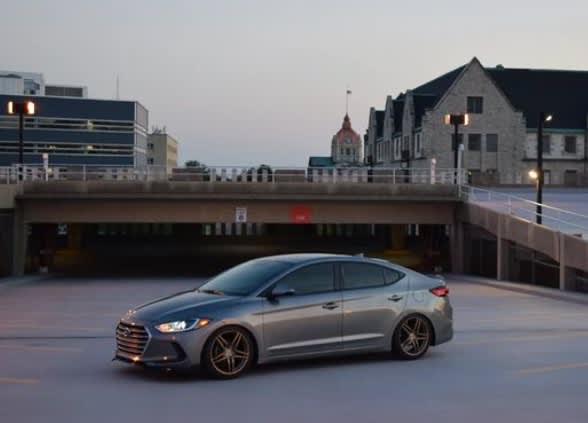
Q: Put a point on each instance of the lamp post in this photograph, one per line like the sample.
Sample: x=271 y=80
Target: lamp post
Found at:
x=543 y=119
x=456 y=120
x=26 y=107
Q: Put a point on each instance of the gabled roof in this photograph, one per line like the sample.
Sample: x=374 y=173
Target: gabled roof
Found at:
x=379 y=123
x=320 y=161
x=422 y=102
x=439 y=85
x=398 y=110
x=562 y=93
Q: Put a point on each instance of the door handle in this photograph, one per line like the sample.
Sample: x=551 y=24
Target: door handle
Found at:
x=395 y=298
x=330 y=306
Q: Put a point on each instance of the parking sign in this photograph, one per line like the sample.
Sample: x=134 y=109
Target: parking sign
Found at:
x=241 y=214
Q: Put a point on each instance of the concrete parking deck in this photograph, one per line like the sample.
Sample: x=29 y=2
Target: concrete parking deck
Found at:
x=516 y=357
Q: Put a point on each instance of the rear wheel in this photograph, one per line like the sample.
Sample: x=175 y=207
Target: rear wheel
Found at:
x=412 y=337
x=228 y=353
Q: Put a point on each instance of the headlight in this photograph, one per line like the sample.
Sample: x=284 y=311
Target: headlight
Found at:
x=181 y=325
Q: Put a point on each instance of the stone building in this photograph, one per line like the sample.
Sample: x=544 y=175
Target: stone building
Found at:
x=500 y=143
x=346 y=149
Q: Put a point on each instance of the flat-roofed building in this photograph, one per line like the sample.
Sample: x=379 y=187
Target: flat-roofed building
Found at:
x=76 y=132
x=162 y=150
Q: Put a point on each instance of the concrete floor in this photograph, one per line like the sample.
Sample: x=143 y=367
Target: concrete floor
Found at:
x=515 y=358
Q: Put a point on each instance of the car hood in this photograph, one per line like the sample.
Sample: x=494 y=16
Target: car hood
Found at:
x=181 y=305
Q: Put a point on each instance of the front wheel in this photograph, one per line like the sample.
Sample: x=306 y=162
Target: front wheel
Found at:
x=228 y=353
x=412 y=338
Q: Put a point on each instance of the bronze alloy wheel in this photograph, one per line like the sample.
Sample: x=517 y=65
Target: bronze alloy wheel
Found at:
x=228 y=353
x=413 y=337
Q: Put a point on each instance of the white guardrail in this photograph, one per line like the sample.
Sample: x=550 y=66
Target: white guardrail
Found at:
x=560 y=219
x=241 y=174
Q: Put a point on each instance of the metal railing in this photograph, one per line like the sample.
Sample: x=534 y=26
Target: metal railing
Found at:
x=553 y=217
x=239 y=174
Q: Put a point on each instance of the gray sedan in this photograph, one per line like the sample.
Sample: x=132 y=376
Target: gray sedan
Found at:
x=286 y=307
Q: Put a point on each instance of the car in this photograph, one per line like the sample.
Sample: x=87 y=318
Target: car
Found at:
x=289 y=306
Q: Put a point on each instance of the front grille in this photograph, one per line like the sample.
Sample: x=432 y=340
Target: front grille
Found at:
x=131 y=339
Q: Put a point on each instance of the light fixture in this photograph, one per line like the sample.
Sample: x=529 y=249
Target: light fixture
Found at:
x=30 y=108
x=548 y=118
x=533 y=174
x=182 y=325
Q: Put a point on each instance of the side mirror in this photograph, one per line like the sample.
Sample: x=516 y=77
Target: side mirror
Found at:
x=281 y=290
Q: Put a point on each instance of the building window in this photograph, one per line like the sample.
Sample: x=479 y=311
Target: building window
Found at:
x=474 y=141
x=347 y=151
x=150 y=146
x=546 y=144
x=475 y=105
x=418 y=143
x=459 y=140
x=570 y=144
x=492 y=143
x=150 y=160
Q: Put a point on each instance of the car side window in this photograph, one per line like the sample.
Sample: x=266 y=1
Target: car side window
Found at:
x=392 y=276
x=311 y=279
x=362 y=275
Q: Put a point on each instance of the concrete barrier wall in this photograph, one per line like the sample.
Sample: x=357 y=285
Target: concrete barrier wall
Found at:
x=210 y=211
x=567 y=249
x=7 y=195
x=229 y=190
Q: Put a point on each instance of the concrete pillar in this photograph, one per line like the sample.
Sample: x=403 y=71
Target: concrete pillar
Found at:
x=567 y=275
x=20 y=235
x=457 y=248
x=502 y=253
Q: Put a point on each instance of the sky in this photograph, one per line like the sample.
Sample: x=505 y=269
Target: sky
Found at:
x=245 y=82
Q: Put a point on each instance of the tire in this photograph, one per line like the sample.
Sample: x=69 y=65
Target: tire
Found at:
x=228 y=353
x=412 y=337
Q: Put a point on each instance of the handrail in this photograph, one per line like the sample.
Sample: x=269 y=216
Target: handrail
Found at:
x=241 y=174
x=469 y=192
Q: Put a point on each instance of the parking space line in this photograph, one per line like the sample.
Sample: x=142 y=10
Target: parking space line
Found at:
x=34 y=348
x=522 y=338
x=548 y=369
x=35 y=326
x=18 y=381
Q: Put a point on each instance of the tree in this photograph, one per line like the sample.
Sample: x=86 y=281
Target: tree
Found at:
x=194 y=163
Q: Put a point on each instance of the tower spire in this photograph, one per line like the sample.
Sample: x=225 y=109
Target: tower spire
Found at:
x=347 y=94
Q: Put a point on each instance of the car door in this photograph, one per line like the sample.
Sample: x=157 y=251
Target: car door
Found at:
x=307 y=322
x=374 y=296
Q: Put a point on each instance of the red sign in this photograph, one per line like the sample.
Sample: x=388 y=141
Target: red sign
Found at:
x=300 y=214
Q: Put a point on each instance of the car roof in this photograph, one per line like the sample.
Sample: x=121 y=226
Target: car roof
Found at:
x=311 y=257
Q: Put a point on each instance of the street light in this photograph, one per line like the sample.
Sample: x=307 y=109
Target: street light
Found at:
x=543 y=119
x=456 y=120
x=26 y=107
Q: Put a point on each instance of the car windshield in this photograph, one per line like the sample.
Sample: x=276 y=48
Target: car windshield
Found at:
x=244 y=278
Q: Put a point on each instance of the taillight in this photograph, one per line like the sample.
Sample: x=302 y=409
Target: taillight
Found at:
x=440 y=291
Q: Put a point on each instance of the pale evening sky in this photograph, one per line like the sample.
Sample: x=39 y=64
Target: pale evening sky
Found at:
x=263 y=81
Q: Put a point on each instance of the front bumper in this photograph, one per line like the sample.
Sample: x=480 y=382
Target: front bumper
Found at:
x=177 y=350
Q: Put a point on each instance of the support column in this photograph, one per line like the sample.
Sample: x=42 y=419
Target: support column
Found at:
x=502 y=253
x=457 y=247
x=19 y=241
x=567 y=275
